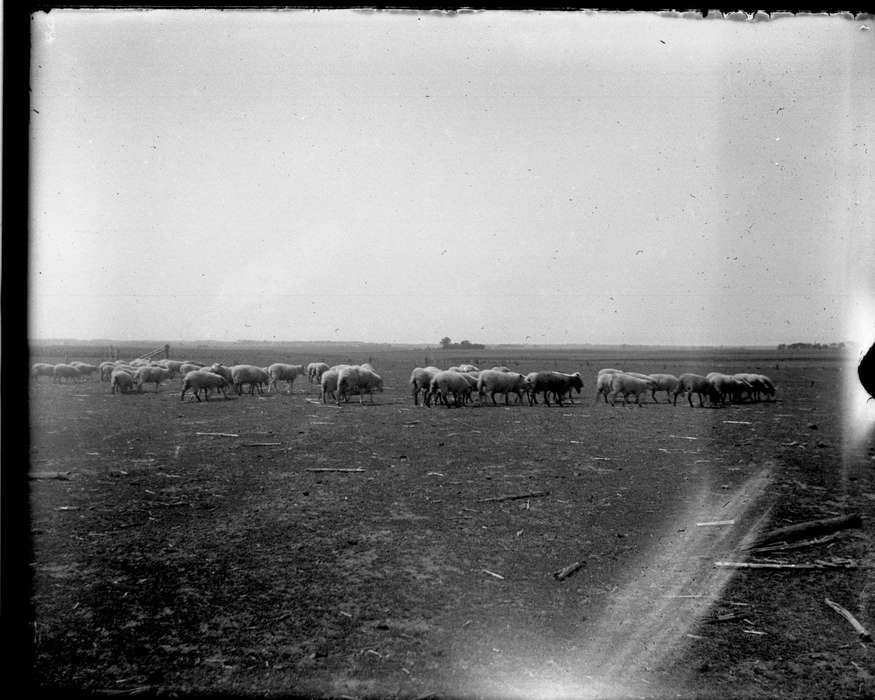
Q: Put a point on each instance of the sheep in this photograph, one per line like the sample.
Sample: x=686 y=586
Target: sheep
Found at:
x=358 y=379
x=449 y=382
x=65 y=371
x=42 y=369
x=121 y=382
x=695 y=383
x=728 y=386
x=282 y=372
x=147 y=375
x=501 y=368
x=315 y=370
x=603 y=385
x=420 y=381
x=468 y=368
x=105 y=368
x=757 y=384
x=664 y=382
x=328 y=384
x=174 y=367
x=85 y=369
x=494 y=382
x=557 y=383
x=609 y=370
x=626 y=384
x=254 y=376
x=187 y=367
x=202 y=379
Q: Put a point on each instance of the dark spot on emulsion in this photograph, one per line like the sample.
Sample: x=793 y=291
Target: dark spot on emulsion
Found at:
x=866 y=371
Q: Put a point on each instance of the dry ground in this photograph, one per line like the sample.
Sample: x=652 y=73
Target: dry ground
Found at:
x=176 y=563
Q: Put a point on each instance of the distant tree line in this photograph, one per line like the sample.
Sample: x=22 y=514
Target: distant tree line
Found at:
x=448 y=344
x=811 y=346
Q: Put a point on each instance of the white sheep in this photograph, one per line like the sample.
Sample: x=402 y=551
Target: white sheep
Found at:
x=611 y=370
x=689 y=384
x=664 y=382
x=603 y=385
x=283 y=372
x=728 y=386
x=85 y=369
x=149 y=374
x=200 y=379
x=449 y=382
x=627 y=384
x=328 y=384
x=254 y=376
x=121 y=382
x=359 y=380
x=494 y=382
x=42 y=369
x=315 y=370
x=420 y=381
x=105 y=368
x=65 y=371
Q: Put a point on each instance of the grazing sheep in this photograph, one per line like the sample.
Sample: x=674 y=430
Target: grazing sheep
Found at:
x=494 y=382
x=557 y=383
x=358 y=379
x=609 y=370
x=85 y=369
x=255 y=377
x=174 y=367
x=328 y=382
x=603 y=385
x=147 y=375
x=501 y=368
x=65 y=371
x=315 y=370
x=728 y=386
x=42 y=369
x=283 y=372
x=187 y=367
x=757 y=385
x=664 y=382
x=449 y=382
x=105 y=368
x=420 y=381
x=201 y=379
x=121 y=382
x=468 y=368
x=695 y=383
x=626 y=384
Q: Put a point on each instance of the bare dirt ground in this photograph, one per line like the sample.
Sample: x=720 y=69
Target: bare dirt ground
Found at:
x=175 y=563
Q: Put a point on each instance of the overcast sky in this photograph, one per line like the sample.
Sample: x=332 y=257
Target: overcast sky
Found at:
x=496 y=177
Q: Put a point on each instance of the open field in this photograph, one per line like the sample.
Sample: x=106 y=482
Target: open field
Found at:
x=170 y=561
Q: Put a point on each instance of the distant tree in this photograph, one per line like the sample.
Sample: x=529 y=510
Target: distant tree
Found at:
x=446 y=342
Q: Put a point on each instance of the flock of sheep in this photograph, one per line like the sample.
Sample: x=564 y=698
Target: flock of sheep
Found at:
x=433 y=385
x=429 y=385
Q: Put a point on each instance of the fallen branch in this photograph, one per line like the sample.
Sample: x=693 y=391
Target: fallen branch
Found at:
x=774 y=565
x=716 y=522
x=492 y=573
x=533 y=494
x=567 y=571
x=861 y=631
x=811 y=528
x=259 y=444
x=793 y=545
x=64 y=476
x=220 y=434
x=332 y=469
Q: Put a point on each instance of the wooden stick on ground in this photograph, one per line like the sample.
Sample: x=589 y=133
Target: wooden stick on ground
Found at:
x=533 y=494
x=861 y=631
x=774 y=565
x=259 y=444
x=812 y=528
x=567 y=571
x=332 y=469
x=220 y=434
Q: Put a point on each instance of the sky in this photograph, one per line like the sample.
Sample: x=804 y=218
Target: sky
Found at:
x=498 y=177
